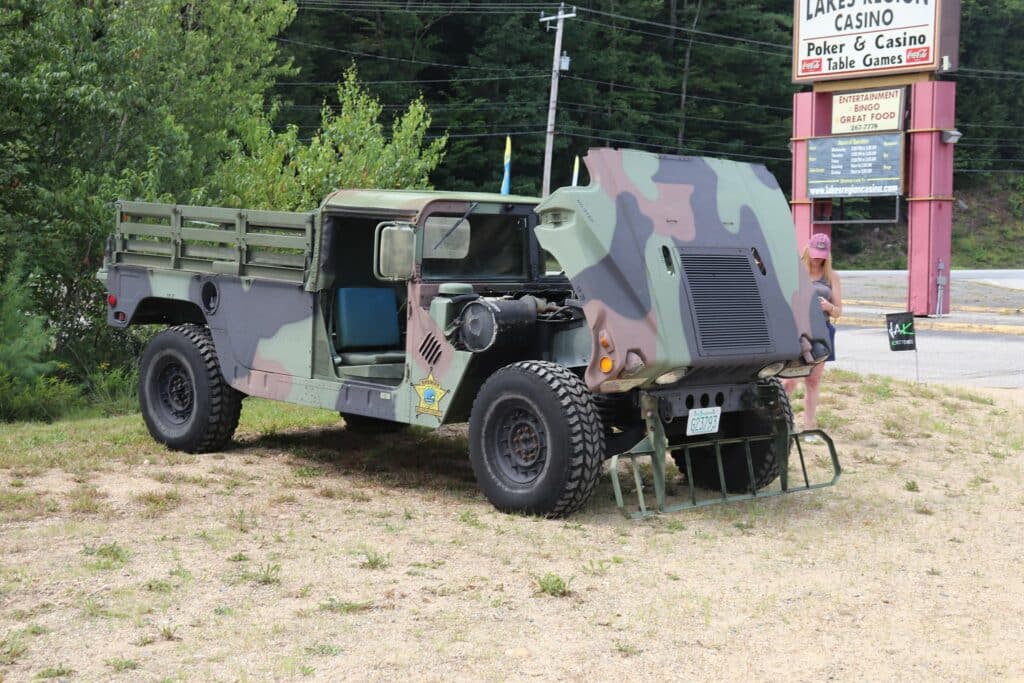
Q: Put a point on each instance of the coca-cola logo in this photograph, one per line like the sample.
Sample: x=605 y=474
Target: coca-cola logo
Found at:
x=919 y=54
x=810 y=65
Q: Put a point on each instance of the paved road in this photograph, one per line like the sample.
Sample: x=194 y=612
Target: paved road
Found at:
x=984 y=299
x=997 y=289
x=974 y=359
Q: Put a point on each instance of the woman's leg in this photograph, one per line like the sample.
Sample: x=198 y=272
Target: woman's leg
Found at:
x=813 y=383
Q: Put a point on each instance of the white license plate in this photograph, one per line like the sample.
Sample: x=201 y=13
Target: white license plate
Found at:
x=703 y=421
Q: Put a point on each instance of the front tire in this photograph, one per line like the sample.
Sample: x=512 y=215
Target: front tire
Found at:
x=186 y=402
x=734 y=458
x=535 y=440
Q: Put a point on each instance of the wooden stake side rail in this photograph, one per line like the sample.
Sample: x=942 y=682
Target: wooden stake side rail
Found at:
x=276 y=245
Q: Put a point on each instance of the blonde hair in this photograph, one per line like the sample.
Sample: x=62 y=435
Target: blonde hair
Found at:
x=827 y=268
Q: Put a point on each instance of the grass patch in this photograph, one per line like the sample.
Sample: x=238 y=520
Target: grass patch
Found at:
x=266 y=575
x=158 y=586
x=12 y=647
x=470 y=518
x=59 y=671
x=239 y=557
x=323 y=650
x=971 y=397
x=911 y=486
x=106 y=557
x=307 y=472
x=18 y=506
x=554 y=585
x=86 y=500
x=345 y=606
x=923 y=509
x=599 y=568
x=375 y=560
x=159 y=502
x=242 y=521
x=120 y=665
x=340 y=493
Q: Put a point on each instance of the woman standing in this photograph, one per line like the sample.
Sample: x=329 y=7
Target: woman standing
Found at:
x=817 y=257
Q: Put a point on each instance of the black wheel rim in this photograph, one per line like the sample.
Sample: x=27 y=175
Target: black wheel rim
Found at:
x=519 y=443
x=175 y=391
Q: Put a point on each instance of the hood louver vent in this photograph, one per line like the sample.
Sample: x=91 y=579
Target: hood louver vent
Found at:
x=726 y=303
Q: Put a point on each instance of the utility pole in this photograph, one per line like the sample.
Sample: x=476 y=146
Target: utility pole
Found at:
x=556 y=67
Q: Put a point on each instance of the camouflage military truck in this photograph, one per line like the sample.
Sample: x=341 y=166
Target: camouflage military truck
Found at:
x=647 y=314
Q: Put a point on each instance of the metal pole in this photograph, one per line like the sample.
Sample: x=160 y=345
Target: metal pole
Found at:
x=549 y=145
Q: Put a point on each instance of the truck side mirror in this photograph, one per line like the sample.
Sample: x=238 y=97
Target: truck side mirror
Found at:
x=394 y=249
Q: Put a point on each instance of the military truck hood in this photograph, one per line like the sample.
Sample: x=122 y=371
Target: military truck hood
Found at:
x=681 y=262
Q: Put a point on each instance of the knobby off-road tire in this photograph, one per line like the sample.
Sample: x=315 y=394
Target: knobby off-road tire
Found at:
x=361 y=424
x=734 y=458
x=186 y=402
x=535 y=440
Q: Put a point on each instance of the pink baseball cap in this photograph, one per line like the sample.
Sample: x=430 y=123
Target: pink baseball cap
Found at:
x=820 y=246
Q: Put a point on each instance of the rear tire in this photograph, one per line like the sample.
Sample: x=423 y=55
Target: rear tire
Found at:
x=734 y=457
x=361 y=424
x=186 y=402
x=535 y=440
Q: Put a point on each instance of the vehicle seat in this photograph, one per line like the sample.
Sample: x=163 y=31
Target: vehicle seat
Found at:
x=366 y=326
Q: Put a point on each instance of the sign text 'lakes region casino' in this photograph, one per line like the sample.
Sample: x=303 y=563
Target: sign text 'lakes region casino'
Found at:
x=855 y=166
x=858 y=38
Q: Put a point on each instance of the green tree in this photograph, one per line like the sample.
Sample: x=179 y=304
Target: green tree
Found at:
x=23 y=340
x=276 y=170
x=110 y=99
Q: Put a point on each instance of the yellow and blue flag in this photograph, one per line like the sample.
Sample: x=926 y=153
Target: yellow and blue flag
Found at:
x=507 y=180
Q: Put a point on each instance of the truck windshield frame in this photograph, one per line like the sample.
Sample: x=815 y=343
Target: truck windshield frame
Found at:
x=497 y=246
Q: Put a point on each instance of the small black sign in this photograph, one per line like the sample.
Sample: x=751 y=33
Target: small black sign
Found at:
x=855 y=166
x=900 y=327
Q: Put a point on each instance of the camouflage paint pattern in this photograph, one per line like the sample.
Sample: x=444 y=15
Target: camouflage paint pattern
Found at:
x=620 y=239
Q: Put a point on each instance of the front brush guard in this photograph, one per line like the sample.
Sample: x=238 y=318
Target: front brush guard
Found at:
x=655 y=445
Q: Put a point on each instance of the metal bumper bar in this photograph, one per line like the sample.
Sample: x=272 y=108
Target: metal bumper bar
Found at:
x=649 y=447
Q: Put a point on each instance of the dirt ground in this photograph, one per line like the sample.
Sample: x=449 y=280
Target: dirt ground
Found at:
x=306 y=552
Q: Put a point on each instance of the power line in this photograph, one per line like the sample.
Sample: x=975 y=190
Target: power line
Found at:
x=441 y=7
x=423 y=80
x=598 y=134
x=676 y=94
x=1017 y=74
x=988 y=125
x=456 y=106
x=675 y=118
x=683 y=29
x=390 y=59
x=667 y=37
x=988 y=170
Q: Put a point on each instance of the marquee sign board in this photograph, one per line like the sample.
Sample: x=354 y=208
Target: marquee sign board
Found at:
x=870 y=111
x=855 y=166
x=835 y=39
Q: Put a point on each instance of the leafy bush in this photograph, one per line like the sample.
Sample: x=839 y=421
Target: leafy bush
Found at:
x=44 y=398
x=22 y=337
x=113 y=391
